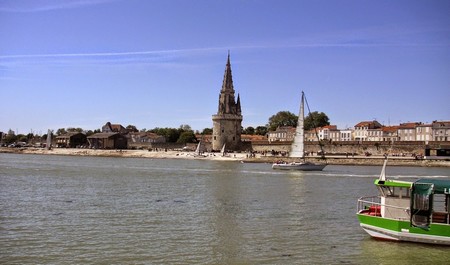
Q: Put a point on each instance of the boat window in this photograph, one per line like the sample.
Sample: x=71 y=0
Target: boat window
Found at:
x=422 y=196
x=439 y=203
x=402 y=192
x=386 y=191
x=421 y=202
x=399 y=192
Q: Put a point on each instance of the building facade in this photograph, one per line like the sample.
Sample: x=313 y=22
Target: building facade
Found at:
x=441 y=130
x=346 y=135
x=281 y=134
x=227 y=123
x=71 y=140
x=424 y=132
x=361 y=132
x=407 y=131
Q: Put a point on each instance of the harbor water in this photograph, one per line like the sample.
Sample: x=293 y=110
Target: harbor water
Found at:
x=97 y=210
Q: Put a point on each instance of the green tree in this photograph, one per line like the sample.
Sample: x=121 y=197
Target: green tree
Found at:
x=61 y=131
x=70 y=129
x=89 y=132
x=207 y=131
x=22 y=138
x=30 y=137
x=261 y=130
x=10 y=138
x=316 y=119
x=187 y=137
x=282 y=118
x=185 y=128
x=171 y=134
x=249 y=130
x=131 y=128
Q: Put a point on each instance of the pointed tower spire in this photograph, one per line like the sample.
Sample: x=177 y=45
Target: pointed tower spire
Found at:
x=238 y=105
x=227 y=122
x=227 y=77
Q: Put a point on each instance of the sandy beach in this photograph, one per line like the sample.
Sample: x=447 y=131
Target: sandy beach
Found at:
x=236 y=157
x=169 y=154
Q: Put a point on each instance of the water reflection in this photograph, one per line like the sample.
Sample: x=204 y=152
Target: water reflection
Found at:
x=227 y=212
x=393 y=253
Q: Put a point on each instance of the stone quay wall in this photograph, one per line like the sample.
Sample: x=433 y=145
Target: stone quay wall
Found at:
x=350 y=147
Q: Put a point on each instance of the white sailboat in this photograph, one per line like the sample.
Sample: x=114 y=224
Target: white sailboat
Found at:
x=48 y=145
x=298 y=147
x=223 y=151
x=200 y=150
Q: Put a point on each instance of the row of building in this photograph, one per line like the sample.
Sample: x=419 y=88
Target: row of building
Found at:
x=112 y=136
x=370 y=131
x=115 y=136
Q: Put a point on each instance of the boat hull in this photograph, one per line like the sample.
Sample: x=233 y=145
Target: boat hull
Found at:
x=401 y=230
x=299 y=166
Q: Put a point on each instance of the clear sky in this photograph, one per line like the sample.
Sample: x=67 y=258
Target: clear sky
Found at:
x=160 y=63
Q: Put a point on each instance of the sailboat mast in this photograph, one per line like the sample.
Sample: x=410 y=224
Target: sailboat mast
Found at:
x=301 y=126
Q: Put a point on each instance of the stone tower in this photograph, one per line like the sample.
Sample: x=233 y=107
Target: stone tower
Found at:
x=227 y=122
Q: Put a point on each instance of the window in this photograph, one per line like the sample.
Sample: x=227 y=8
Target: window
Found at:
x=439 y=203
x=421 y=202
x=386 y=191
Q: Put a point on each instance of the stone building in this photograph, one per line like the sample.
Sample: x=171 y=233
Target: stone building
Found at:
x=227 y=122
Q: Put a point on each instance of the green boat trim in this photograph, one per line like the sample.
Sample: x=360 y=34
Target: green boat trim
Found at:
x=401 y=230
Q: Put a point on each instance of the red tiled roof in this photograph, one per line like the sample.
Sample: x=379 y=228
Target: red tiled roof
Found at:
x=368 y=124
x=409 y=125
x=249 y=137
x=390 y=128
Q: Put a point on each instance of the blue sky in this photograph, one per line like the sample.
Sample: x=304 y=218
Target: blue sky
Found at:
x=151 y=63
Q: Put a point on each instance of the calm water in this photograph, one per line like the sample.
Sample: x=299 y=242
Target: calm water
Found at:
x=91 y=210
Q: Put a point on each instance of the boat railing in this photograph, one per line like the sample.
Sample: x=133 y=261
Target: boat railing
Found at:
x=371 y=205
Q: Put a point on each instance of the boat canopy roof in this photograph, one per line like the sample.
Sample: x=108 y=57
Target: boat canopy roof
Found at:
x=441 y=186
x=393 y=183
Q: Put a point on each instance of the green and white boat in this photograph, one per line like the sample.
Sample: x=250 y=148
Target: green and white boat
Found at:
x=414 y=211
